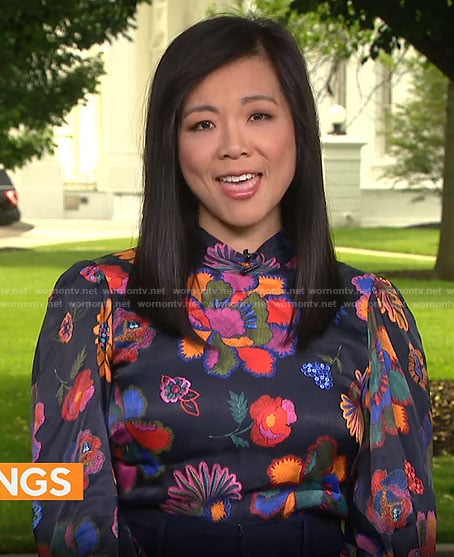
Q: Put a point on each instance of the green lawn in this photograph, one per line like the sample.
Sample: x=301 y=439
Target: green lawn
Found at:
x=27 y=277
x=406 y=240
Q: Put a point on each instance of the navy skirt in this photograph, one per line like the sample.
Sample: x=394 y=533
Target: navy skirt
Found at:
x=166 y=535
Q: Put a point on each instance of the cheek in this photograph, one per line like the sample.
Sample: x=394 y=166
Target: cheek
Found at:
x=285 y=157
x=192 y=158
x=184 y=157
x=284 y=147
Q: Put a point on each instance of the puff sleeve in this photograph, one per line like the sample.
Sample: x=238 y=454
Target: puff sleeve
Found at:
x=393 y=503
x=70 y=392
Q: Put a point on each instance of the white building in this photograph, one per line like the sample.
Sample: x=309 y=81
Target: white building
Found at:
x=97 y=170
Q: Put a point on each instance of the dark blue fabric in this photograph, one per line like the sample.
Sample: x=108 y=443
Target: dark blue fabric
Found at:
x=308 y=535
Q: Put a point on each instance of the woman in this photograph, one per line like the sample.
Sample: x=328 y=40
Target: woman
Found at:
x=229 y=386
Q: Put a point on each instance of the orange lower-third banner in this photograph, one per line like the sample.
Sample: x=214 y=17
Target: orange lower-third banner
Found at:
x=44 y=480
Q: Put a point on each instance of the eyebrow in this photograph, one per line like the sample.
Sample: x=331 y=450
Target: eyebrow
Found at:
x=244 y=100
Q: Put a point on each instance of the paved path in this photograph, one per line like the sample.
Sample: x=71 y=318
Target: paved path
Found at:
x=40 y=232
x=380 y=253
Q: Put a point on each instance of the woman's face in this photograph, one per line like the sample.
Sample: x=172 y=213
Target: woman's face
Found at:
x=237 y=151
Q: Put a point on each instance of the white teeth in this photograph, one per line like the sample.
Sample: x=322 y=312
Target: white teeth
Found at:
x=237 y=179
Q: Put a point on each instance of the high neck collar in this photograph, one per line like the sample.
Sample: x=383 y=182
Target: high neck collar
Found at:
x=274 y=253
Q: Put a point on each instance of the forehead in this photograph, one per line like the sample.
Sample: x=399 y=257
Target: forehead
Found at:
x=246 y=76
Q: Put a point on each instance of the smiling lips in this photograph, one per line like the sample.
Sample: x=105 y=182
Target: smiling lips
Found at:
x=240 y=186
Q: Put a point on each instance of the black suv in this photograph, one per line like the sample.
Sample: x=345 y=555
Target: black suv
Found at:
x=9 y=210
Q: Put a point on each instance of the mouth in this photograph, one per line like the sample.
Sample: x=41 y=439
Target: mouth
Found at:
x=240 y=186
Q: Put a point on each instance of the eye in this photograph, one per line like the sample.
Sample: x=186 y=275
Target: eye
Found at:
x=257 y=116
x=202 y=125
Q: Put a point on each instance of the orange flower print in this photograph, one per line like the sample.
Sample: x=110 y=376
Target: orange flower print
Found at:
x=243 y=323
x=65 y=332
x=416 y=366
x=351 y=405
x=126 y=255
x=389 y=391
x=310 y=483
x=387 y=295
x=272 y=418
x=78 y=396
x=389 y=302
x=103 y=332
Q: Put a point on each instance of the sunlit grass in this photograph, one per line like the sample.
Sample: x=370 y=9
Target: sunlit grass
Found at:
x=405 y=240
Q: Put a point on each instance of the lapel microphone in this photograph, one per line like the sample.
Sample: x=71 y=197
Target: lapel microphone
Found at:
x=249 y=255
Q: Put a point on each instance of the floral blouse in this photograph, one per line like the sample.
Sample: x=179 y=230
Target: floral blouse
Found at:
x=241 y=427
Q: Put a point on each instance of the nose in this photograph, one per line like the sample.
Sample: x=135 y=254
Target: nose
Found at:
x=233 y=142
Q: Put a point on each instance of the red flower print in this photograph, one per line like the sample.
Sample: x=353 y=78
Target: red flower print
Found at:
x=414 y=483
x=117 y=279
x=272 y=418
x=88 y=450
x=40 y=418
x=44 y=550
x=389 y=504
x=115 y=523
x=153 y=436
x=178 y=389
x=136 y=443
x=65 y=332
x=78 y=396
x=131 y=333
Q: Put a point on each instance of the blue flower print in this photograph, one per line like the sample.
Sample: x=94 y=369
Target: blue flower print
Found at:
x=37 y=513
x=320 y=373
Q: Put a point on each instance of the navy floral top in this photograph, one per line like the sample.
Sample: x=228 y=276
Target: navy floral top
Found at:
x=241 y=427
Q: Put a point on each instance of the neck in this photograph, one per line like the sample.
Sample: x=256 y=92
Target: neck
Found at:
x=242 y=238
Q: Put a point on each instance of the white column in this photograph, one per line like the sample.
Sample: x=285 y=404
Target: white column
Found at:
x=40 y=187
x=342 y=172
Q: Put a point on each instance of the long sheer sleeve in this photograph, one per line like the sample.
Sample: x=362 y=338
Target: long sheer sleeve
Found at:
x=70 y=388
x=393 y=511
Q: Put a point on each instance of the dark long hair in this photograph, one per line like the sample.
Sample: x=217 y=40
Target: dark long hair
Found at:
x=168 y=246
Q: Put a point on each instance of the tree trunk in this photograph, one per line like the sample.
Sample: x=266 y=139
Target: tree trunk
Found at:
x=444 y=267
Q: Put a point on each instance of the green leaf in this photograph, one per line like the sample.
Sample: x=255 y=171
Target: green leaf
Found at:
x=328 y=359
x=60 y=393
x=239 y=441
x=238 y=407
x=79 y=362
